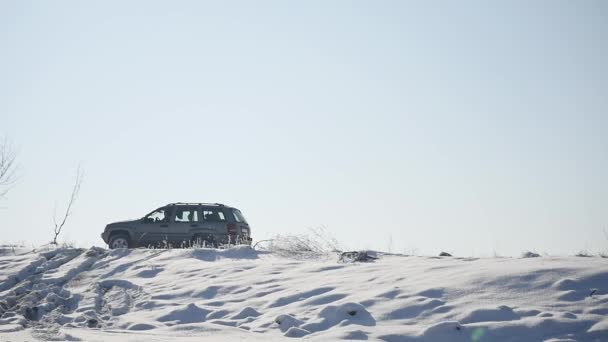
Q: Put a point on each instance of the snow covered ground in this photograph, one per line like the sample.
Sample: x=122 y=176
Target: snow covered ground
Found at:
x=242 y=294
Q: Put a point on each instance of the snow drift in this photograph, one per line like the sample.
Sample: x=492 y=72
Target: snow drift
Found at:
x=96 y=294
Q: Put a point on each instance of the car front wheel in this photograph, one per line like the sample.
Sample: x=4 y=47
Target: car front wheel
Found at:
x=119 y=241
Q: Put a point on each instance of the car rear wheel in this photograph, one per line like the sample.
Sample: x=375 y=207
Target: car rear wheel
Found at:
x=119 y=241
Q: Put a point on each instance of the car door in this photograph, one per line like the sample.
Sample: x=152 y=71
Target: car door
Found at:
x=214 y=222
x=153 y=227
x=185 y=219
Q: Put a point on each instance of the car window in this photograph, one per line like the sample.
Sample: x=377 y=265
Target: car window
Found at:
x=238 y=216
x=159 y=215
x=186 y=214
x=213 y=215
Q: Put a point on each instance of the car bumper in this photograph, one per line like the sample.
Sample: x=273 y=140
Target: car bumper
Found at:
x=104 y=237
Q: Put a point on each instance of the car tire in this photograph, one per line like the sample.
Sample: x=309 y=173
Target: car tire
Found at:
x=119 y=241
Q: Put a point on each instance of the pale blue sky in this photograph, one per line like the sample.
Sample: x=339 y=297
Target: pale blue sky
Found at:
x=472 y=126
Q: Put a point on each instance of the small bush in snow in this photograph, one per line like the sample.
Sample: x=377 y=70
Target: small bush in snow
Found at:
x=68 y=244
x=317 y=244
x=529 y=254
x=583 y=254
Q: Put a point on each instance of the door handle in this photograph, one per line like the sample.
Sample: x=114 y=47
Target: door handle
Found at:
x=194 y=225
x=164 y=225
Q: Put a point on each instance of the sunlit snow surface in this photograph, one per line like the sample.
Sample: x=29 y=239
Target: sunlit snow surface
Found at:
x=241 y=294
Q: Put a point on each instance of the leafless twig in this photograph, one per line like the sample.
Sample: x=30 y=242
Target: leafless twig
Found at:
x=258 y=242
x=8 y=166
x=68 y=210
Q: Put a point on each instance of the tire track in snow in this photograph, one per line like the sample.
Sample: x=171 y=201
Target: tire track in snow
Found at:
x=42 y=291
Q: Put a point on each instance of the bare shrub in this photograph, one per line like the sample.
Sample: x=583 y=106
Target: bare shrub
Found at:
x=68 y=245
x=8 y=166
x=68 y=211
x=530 y=254
x=317 y=244
x=583 y=254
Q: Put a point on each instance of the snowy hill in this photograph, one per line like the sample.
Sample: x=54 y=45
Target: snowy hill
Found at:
x=194 y=294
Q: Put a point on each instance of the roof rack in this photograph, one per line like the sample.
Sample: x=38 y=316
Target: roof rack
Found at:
x=192 y=203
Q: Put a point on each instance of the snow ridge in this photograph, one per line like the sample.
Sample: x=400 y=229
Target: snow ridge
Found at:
x=96 y=294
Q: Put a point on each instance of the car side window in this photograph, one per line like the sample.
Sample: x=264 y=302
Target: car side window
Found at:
x=186 y=214
x=213 y=215
x=238 y=217
x=159 y=215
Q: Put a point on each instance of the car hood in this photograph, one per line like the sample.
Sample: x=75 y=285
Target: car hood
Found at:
x=123 y=223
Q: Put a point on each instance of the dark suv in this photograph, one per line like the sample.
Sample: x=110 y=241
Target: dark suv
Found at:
x=181 y=225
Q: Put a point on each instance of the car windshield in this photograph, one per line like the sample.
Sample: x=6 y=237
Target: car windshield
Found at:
x=238 y=216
